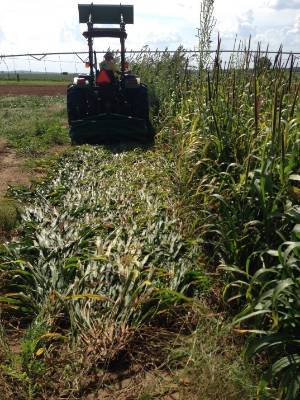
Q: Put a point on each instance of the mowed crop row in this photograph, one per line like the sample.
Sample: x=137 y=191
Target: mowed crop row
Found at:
x=116 y=245
x=100 y=261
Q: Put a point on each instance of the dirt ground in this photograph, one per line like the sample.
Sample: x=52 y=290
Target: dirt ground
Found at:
x=33 y=90
x=11 y=168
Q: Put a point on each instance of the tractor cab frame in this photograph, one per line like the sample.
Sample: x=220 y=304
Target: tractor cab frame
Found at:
x=105 y=14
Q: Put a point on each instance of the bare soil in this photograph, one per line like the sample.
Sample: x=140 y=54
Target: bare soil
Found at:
x=33 y=90
x=12 y=170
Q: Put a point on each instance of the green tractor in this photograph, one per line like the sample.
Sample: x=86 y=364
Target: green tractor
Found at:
x=113 y=109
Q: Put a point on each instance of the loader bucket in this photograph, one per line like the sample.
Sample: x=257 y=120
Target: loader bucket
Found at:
x=105 y=13
x=110 y=129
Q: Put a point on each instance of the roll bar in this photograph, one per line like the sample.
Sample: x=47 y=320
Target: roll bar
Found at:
x=105 y=14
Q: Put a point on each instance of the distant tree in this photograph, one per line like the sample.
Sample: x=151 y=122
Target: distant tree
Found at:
x=263 y=63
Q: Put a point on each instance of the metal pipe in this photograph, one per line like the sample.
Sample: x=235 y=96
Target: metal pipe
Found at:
x=141 y=52
x=90 y=44
x=122 y=40
x=95 y=65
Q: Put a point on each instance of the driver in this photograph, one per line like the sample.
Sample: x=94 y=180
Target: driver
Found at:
x=108 y=63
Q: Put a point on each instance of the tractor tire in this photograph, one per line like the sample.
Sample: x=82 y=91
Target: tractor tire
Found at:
x=141 y=103
x=76 y=103
x=142 y=111
x=138 y=100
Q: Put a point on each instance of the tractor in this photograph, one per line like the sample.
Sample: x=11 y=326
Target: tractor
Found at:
x=114 y=109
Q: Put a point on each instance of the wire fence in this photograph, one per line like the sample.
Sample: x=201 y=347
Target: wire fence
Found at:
x=63 y=65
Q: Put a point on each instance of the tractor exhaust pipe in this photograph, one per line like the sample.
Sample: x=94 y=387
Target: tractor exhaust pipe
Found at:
x=90 y=45
x=122 y=41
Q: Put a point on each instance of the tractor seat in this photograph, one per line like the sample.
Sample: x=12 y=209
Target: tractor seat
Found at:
x=105 y=32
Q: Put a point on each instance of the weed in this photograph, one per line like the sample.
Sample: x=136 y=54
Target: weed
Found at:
x=9 y=215
x=32 y=124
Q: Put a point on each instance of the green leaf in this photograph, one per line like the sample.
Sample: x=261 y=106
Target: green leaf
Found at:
x=266 y=342
x=296 y=231
x=251 y=315
x=293 y=360
x=294 y=177
x=281 y=286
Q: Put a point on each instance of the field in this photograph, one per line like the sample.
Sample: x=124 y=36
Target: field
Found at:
x=36 y=89
x=169 y=272
x=31 y=84
x=31 y=77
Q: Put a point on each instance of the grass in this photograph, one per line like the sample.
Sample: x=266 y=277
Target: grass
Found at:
x=206 y=365
x=9 y=215
x=32 y=125
x=36 y=128
x=48 y=78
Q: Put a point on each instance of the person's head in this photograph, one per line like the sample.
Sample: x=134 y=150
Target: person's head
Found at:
x=109 y=56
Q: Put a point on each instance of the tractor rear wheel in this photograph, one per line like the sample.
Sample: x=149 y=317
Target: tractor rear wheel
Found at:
x=138 y=100
x=76 y=103
x=141 y=103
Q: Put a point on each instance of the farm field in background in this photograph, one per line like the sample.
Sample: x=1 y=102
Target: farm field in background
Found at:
x=35 y=84
x=32 y=89
x=32 y=82
x=166 y=261
x=32 y=77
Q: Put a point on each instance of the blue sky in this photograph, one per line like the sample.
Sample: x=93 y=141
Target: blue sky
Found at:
x=49 y=26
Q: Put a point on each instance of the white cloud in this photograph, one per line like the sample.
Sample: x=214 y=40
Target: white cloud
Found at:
x=43 y=25
x=266 y=24
x=288 y=36
x=240 y=27
x=170 y=40
x=2 y=37
x=284 y=4
x=49 y=26
x=296 y=27
x=292 y=37
x=246 y=25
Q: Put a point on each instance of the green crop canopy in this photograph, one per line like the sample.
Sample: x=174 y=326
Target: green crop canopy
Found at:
x=105 y=13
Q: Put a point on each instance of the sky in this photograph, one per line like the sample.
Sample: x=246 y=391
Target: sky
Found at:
x=34 y=26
